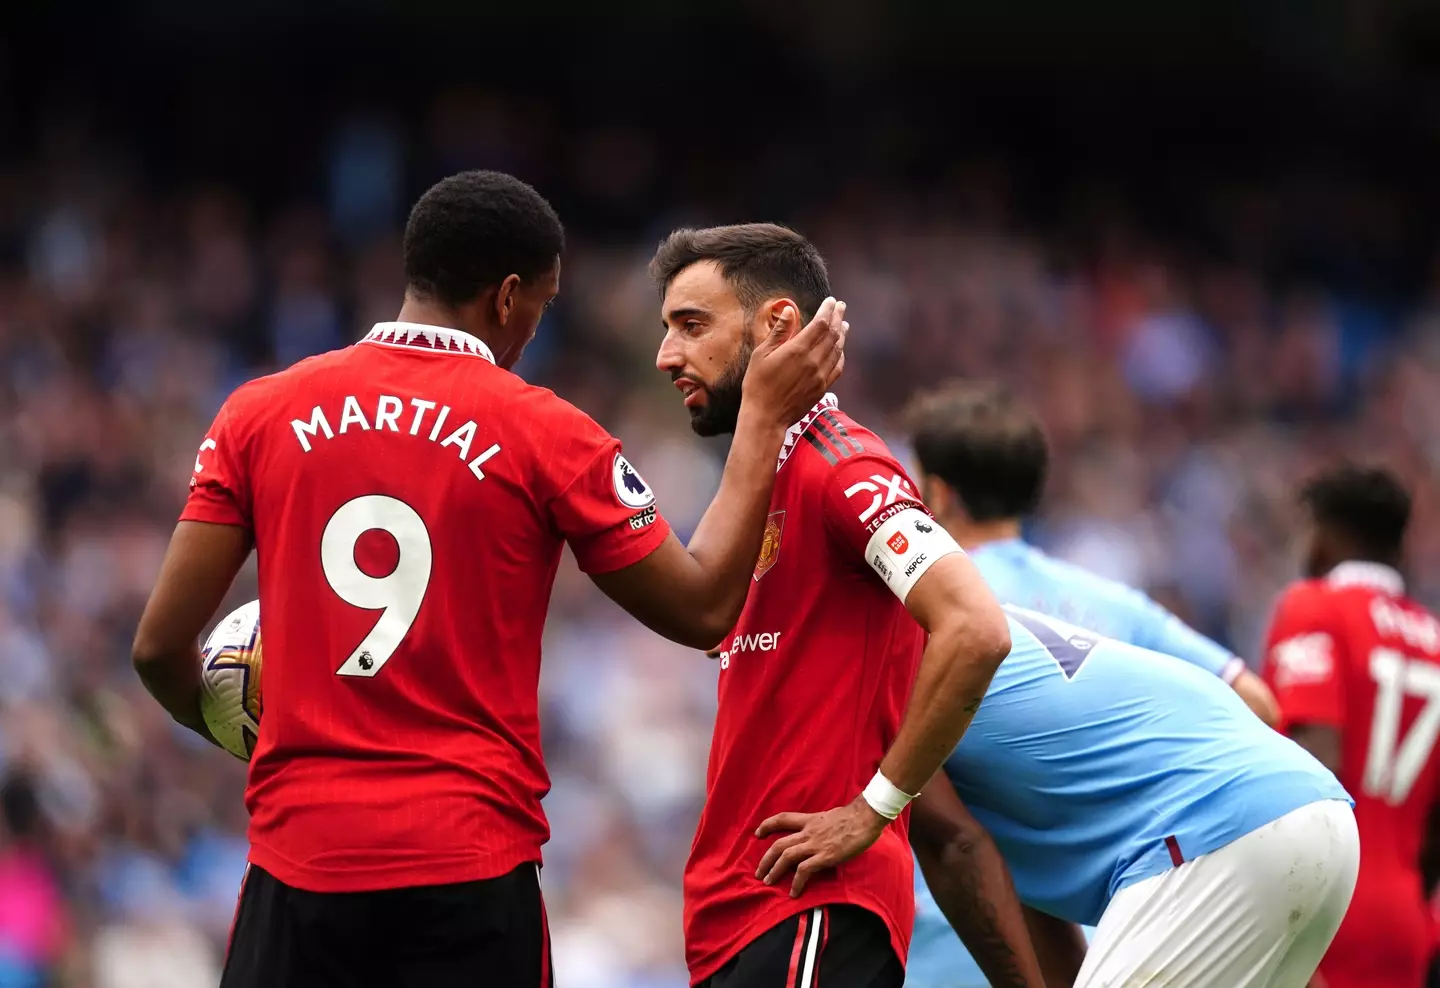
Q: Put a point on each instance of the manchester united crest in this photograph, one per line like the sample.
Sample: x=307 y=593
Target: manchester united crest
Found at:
x=770 y=547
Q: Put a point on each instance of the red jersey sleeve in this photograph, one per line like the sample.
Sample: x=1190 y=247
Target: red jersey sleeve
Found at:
x=1303 y=660
x=219 y=487
x=873 y=508
x=606 y=511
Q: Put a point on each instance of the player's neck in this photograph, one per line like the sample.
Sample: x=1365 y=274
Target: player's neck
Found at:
x=972 y=534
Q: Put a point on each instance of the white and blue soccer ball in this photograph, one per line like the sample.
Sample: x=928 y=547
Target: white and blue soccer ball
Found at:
x=230 y=681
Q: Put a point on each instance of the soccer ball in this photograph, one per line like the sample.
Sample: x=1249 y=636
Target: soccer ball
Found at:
x=230 y=681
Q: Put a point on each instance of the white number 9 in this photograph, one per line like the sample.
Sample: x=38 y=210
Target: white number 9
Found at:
x=398 y=595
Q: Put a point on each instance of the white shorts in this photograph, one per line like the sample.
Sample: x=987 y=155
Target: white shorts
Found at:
x=1258 y=913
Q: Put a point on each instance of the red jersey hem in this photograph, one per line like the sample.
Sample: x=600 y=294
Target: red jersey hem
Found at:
x=215 y=514
x=629 y=554
x=769 y=918
x=377 y=878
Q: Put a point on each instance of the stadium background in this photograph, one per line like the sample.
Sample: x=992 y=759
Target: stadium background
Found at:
x=1201 y=237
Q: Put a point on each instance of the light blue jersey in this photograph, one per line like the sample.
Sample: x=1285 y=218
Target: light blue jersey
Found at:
x=1025 y=576
x=1094 y=764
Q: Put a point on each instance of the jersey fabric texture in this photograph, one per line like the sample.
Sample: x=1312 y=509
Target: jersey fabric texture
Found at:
x=1352 y=652
x=409 y=502
x=1095 y=765
x=813 y=684
x=1026 y=576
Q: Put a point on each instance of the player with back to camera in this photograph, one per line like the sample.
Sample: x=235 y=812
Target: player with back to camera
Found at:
x=983 y=459
x=816 y=676
x=1124 y=788
x=408 y=498
x=1356 y=665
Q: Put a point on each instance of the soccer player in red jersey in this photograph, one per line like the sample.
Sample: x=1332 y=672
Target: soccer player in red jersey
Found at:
x=816 y=676
x=408 y=499
x=1355 y=665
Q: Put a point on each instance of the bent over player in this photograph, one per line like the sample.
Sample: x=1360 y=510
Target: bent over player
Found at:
x=816 y=676
x=983 y=460
x=1356 y=665
x=408 y=498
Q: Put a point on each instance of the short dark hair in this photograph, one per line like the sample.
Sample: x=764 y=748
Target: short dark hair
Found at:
x=471 y=231
x=1368 y=506
x=982 y=442
x=759 y=260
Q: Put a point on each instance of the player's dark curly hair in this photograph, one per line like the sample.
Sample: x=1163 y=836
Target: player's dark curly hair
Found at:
x=469 y=232
x=982 y=442
x=1368 y=506
x=760 y=261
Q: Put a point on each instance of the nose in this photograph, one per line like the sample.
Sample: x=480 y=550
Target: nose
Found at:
x=670 y=358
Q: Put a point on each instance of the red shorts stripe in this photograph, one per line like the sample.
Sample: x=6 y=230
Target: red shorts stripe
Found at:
x=239 y=898
x=1173 y=846
x=820 y=948
x=792 y=979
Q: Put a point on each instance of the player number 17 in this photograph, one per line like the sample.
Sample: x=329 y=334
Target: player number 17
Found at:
x=1392 y=764
x=396 y=596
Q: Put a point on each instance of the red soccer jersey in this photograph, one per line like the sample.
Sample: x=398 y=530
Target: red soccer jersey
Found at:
x=814 y=681
x=409 y=501
x=1354 y=653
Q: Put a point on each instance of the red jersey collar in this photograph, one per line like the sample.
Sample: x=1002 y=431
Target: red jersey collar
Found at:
x=420 y=337
x=1364 y=574
x=793 y=434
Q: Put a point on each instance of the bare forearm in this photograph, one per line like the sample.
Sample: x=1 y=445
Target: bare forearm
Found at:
x=1060 y=947
x=972 y=886
x=955 y=671
x=727 y=541
x=174 y=681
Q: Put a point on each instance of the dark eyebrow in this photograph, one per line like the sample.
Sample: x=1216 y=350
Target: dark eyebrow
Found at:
x=678 y=315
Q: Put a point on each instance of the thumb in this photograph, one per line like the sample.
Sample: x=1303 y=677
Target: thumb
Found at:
x=783 y=329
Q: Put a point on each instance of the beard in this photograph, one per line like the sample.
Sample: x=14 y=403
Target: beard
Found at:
x=721 y=411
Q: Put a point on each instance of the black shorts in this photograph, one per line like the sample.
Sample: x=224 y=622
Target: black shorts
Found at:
x=830 y=946
x=491 y=932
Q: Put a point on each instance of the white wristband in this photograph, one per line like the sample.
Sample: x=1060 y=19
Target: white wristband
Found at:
x=884 y=798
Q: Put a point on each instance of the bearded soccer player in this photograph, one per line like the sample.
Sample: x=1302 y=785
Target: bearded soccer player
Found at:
x=816 y=676
x=1356 y=666
x=408 y=498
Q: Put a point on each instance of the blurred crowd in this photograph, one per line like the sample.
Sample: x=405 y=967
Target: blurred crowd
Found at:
x=1184 y=397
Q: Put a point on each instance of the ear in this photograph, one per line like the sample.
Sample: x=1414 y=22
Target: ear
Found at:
x=779 y=319
x=505 y=298
x=939 y=497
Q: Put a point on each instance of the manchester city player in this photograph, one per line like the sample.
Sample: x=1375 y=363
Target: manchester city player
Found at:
x=1132 y=791
x=982 y=461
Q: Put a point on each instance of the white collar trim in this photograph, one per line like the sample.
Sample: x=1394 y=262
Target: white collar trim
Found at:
x=796 y=431
x=1366 y=574
x=421 y=337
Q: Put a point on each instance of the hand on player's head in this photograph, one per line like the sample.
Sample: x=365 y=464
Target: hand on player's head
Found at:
x=791 y=370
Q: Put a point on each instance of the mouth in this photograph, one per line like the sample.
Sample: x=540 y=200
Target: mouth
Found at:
x=692 y=390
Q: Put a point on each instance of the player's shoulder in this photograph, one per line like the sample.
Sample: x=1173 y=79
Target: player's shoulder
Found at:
x=828 y=441
x=259 y=395
x=1079 y=581
x=1307 y=593
x=1310 y=600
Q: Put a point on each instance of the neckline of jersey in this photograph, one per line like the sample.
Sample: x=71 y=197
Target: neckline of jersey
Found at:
x=793 y=434
x=1366 y=574
x=418 y=336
